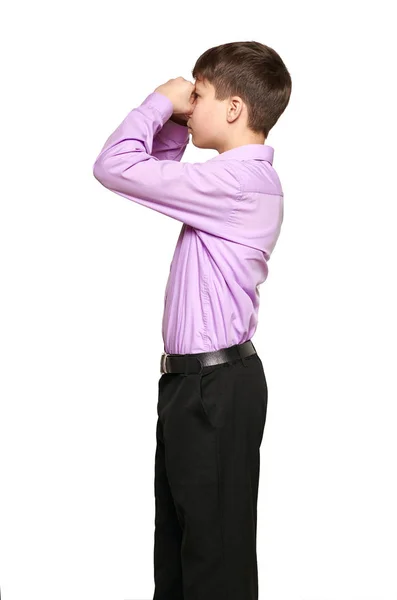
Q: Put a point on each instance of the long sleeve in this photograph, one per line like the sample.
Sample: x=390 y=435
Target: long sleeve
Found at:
x=202 y=195
x=171 y=141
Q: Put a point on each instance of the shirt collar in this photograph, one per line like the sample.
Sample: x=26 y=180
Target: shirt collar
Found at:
x=247 y=152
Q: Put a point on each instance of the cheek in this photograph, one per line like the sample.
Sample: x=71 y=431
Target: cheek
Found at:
x=203 y=115
x=206 y=113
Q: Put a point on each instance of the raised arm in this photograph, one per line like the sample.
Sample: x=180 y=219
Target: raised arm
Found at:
x=202 y=195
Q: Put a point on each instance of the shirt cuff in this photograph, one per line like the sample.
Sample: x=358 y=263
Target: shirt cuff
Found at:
x=162 y=103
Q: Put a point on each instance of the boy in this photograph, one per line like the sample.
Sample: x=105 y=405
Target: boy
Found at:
x=212 y=392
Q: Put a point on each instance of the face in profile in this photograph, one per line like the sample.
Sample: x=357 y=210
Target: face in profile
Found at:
x=208 y=119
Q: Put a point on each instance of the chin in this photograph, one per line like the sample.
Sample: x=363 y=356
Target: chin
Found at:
x=196 y=143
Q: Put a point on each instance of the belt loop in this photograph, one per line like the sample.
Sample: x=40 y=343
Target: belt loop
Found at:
x=241 y=355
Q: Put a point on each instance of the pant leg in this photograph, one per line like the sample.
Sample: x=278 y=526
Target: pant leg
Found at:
x=168 y=532
x=213 y=425
x=238 y=442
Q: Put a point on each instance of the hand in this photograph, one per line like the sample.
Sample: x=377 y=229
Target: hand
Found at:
x=180 y=92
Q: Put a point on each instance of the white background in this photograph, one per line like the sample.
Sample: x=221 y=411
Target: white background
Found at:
x=83 y=273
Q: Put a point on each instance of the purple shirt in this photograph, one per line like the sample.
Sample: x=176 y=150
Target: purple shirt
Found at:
x=231 y=207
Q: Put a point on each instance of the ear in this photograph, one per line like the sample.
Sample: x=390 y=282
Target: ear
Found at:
x=234 y=108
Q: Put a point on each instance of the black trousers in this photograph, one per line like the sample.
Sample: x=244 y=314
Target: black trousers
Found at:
x=209 y=431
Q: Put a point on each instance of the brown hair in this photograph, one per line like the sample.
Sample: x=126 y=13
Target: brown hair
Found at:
x=252 y=71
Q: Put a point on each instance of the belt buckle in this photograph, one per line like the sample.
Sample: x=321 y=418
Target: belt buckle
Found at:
x=163 y=360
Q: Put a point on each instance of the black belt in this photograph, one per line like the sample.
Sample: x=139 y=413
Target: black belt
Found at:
x=194 y=363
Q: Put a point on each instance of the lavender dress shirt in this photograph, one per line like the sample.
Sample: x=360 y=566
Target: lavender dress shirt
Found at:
x=231 y=207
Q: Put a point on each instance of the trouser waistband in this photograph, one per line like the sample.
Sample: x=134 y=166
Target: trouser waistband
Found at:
x=194 y=363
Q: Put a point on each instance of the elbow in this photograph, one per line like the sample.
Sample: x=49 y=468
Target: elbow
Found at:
x=100 y=172
x=97 y=170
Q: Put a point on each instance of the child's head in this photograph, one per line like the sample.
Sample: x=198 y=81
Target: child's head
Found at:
x=242 y=88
